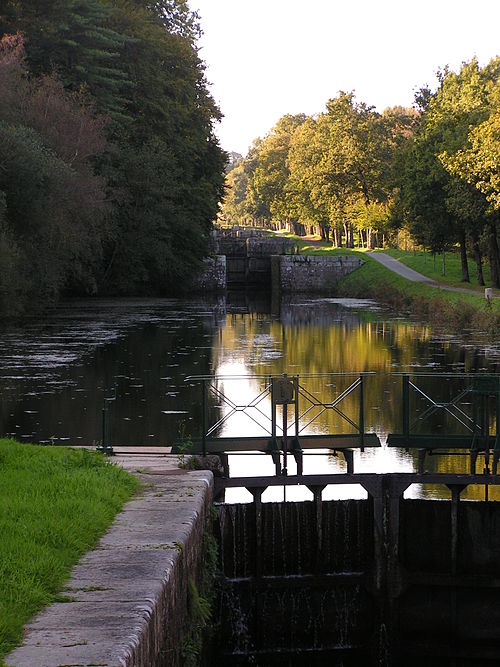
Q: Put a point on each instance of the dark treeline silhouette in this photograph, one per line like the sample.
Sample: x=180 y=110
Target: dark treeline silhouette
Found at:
x=110 y=174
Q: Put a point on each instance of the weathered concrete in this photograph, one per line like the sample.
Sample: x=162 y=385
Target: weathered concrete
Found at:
x=305 y=273
x=212 y=278
x=127 y=598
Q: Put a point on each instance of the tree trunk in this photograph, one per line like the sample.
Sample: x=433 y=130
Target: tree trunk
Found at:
x=463 y=257
x=494 y=256
x=478 y=259
x=351 y=236
x=443 y=270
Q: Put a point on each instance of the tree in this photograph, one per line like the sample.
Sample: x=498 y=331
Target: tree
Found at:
x=341 y=157
x=271 y=173
x=441 y=211
x=137 y=63
x=479 y=164
x=77 y=40
x=52 y=205
x=234 y=207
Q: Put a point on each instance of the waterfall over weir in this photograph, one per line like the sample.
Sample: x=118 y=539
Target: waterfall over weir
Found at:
x=292 y=592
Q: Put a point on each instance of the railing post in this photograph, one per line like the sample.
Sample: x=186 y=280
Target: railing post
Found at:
x=406 y=406
x=273 y=411
x=204 y=418
x=105 y=447
x=296 y=393
x=361 y=412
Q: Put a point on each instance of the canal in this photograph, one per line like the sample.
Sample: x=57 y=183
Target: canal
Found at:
x=55 y=373
x=353 y=575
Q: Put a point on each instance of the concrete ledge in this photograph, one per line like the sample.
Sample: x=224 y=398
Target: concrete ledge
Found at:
x=128 y=597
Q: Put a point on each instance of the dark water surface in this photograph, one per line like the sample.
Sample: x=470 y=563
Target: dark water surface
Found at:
x=55 y=373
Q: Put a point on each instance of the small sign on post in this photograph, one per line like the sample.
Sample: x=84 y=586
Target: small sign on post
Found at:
x=283 y=391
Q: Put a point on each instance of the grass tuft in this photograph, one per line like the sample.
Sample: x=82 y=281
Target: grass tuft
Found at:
x=55 y=503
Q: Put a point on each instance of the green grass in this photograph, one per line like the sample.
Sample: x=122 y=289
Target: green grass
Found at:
x=55 y=503
x=424 y=263
x=457 y=311
x=451 y=310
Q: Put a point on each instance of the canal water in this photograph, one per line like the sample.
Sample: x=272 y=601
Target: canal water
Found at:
x=56 y=373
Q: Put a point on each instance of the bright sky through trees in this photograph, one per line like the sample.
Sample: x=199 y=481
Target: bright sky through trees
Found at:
x=266 y=58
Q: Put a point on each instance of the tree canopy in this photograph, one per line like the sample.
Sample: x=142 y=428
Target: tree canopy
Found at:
x=353 y=174
x=110 y=94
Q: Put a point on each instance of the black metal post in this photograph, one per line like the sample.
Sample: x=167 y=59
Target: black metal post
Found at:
x=361 y=412
x=204 y=418
x=406 y=406
x=285 y=438
x=105 y=446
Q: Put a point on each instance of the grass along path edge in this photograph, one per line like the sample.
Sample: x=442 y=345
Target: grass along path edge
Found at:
x=450 y=310
x=457 y=311
x=55 y=504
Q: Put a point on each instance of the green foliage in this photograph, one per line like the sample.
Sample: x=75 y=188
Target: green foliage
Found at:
x=109 y=125
x=52 y=209
x=479 y=164
x=441 y=207
x=320 y=172
x=56 y=503
x=199 y=605
x=77 y=38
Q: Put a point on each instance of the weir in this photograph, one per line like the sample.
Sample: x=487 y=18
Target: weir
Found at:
x=382 y=581
x=385 y=581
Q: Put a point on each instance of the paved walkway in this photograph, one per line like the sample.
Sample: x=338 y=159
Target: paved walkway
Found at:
x=405 y=271
x=119 y=594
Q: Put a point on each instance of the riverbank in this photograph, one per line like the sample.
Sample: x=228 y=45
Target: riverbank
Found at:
x=56 y=503
x=444 y=305
x=134 y=599
x=450 y=310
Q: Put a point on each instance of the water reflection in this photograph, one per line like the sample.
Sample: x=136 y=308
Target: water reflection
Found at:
x=55 y=374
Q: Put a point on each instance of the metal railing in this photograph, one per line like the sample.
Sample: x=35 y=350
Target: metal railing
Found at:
x=477 y=391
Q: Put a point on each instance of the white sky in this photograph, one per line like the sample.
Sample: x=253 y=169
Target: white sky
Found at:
x=266 y=58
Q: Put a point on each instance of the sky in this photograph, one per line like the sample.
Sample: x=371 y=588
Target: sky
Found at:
x=267 y=58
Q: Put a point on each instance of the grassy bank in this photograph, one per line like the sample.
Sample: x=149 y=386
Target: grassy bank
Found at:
x=432 y=267
x=456 y=311
x=55 y=503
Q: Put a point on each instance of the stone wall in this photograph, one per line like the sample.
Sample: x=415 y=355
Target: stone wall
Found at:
x=128 y=600
x=213 y=277
x=298 y=273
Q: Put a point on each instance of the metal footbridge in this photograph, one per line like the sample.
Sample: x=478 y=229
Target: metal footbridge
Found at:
x=452 y=414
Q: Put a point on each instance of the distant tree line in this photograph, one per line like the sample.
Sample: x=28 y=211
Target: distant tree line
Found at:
x=110 y=173
x=356 y=176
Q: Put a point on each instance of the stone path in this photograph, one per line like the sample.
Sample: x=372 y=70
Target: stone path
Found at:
x=119 y=594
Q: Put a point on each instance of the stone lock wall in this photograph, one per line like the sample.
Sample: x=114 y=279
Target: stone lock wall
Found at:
x=212 y=278
x=298 y=273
